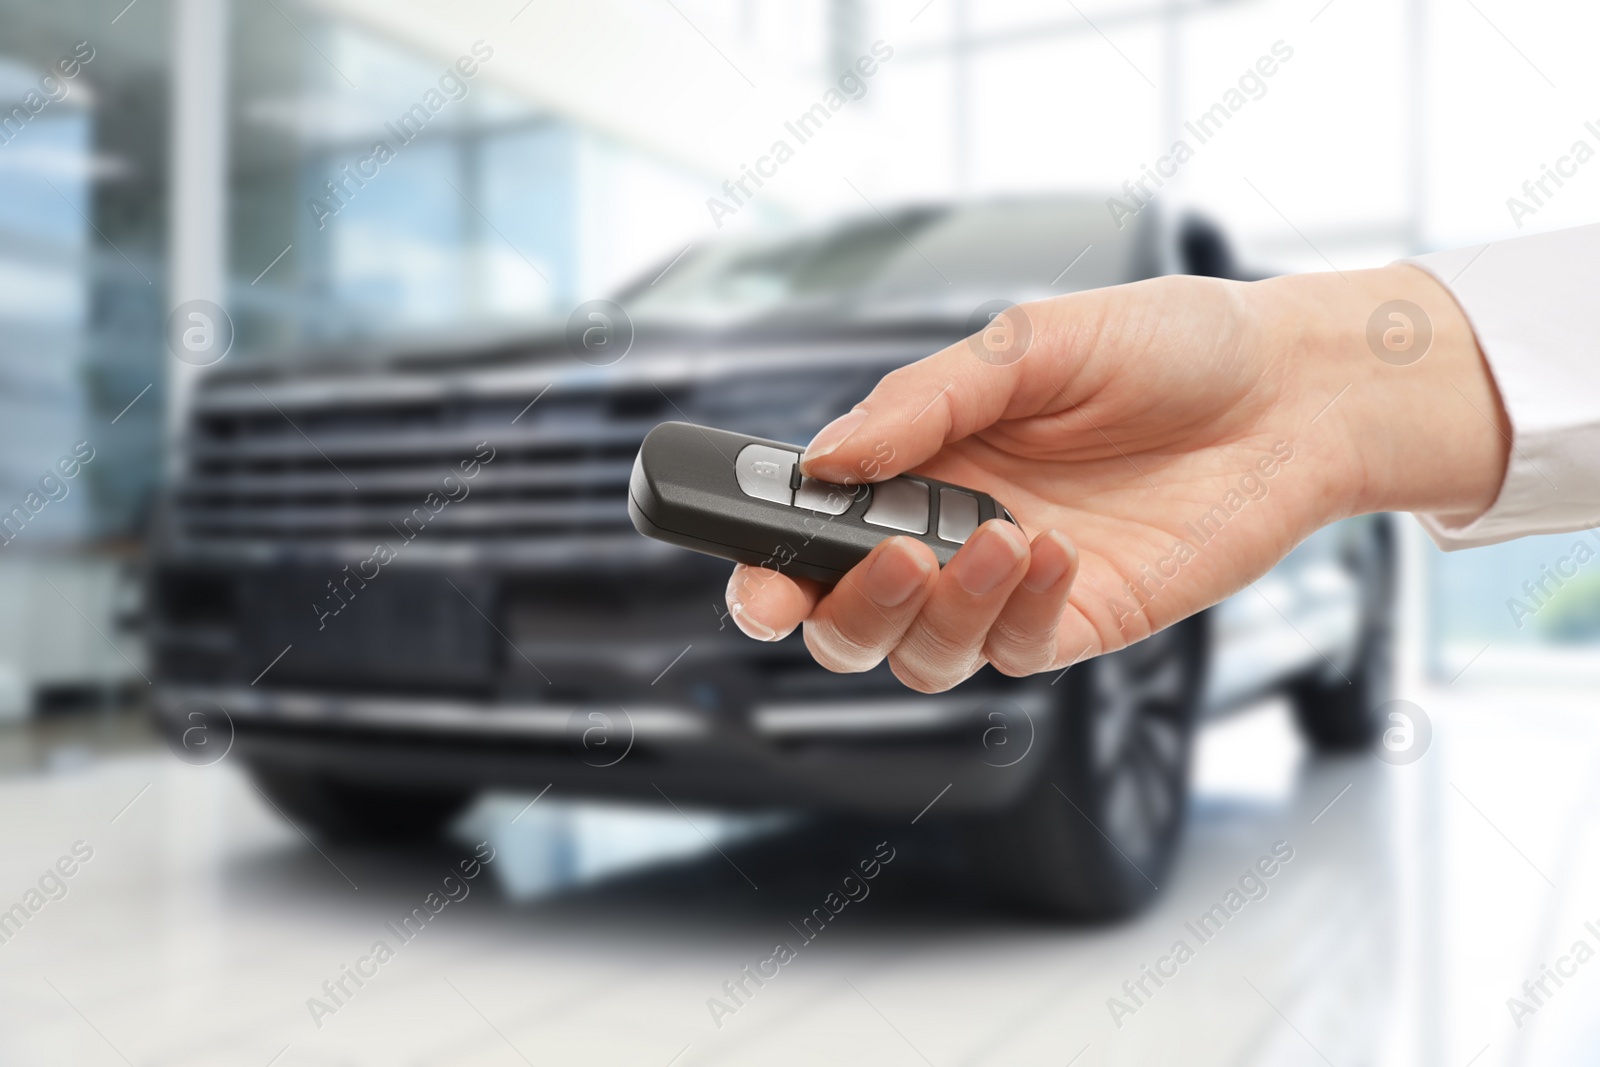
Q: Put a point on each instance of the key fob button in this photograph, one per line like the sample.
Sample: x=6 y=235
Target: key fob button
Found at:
x=899 y=504
x=765 y=472
x=958 y=515
x=825 y=497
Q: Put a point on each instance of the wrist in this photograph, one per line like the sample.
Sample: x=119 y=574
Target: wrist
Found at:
x=1419 y=425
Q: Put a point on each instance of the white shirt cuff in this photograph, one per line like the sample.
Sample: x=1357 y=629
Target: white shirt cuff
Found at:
x=1532 y=303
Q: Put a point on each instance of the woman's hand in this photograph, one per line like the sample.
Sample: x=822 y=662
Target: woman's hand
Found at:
x=1162 y=444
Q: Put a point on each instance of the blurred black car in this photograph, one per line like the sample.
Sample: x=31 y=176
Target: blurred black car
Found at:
x=514 y=631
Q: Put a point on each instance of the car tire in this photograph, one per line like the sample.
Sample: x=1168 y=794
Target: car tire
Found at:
x=1339 y=713
x=338 y=809
x=1095 y=835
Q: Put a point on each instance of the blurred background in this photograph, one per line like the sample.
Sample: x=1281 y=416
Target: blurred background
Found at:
x=221 y=156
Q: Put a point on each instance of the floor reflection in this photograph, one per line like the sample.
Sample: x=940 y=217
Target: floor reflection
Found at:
x=205 y=931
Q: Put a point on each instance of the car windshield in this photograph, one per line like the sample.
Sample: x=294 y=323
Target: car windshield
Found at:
x=745 y=278
x=922 y=264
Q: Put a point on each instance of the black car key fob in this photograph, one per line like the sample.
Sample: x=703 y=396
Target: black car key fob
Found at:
x=744 y=499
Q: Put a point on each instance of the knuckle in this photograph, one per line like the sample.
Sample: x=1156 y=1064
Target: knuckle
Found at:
x=917 y=675
x=935 y=638
x=1013 y=666
x=839 y=652
x=931 y=664
x=1017 y=652
x=896 y=378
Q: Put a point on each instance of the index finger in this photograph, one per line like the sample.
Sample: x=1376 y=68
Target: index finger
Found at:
x=919 y=408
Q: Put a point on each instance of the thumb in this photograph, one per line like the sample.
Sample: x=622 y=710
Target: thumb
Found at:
x=915 y=411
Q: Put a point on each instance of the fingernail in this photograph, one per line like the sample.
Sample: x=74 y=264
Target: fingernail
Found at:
x=988 y=558
x=1048 y=568
x=831 y=436
x=751 y=626
x=893 y=577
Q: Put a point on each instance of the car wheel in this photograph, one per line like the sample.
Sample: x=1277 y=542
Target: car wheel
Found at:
x=1339 y=713
x=343 y=810
x=1094 y=837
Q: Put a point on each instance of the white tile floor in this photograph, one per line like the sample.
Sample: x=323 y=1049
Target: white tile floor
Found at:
x=1413 y=907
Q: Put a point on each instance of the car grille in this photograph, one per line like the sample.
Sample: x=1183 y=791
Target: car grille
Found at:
x=345 y=465
x=277 y=472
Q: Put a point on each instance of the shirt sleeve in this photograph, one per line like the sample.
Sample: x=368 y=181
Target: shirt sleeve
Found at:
x=1534 y=303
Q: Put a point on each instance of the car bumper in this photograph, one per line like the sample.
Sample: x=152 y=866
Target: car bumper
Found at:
x=885 y=757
